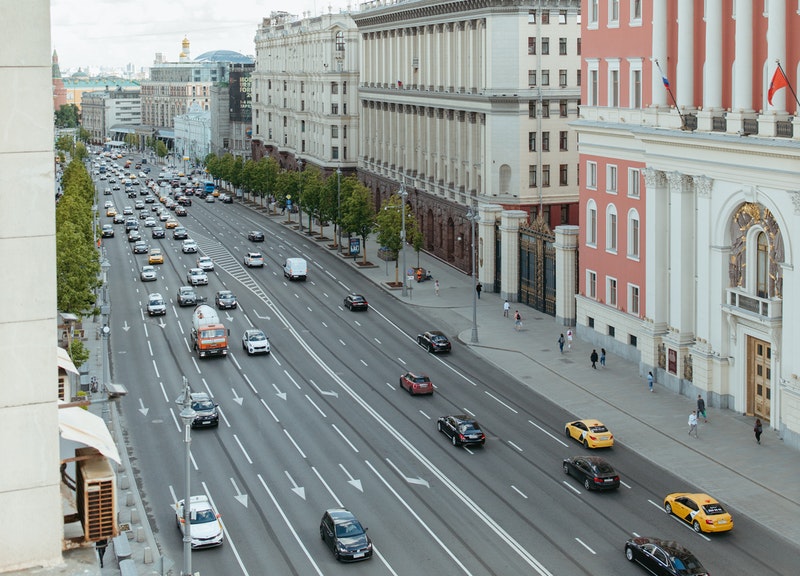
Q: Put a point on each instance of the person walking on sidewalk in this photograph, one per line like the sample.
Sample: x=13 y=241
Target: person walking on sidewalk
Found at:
x=569 y=340
x=650 y=380
x=593 y=358
x=478 y=288
x=517 y=321
x=436 y=287
x=701 y=408
x=603 y=357
x=506 y=307
x=757 y=429
x=561 y=343
x=693 y=423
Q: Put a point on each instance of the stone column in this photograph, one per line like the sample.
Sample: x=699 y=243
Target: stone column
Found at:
x=509 y=237
x=566 y=245
x=659 y=50
x=712 y=72
x=742 y=107
x=487 y=263
x=684 y=89
x=776 y=50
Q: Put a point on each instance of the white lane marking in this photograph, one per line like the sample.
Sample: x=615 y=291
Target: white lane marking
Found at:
x=296 y=446
x=514 y=445
x=150 y=347
x=155 y=367
x=274 y=417
x=196 y=367
x=225 y=531
x=315 y=406
x=233 y=359
x=496 y=399
x=364 y=363
x=342 y=342
x=571 y=487
x=289 y=376
x=246 y=379
x=518 y=491
x=344 y=438
x=208 y=388
x=163 y=391
x=579 y=541
x=328 y=488
x=221 y=413
x=246 y=455
x=556 y=438
x=425 y=415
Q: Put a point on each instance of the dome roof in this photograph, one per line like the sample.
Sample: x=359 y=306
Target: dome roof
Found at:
x=224 y=56
x=80 y=74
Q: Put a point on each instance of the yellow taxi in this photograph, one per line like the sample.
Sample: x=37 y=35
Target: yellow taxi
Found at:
x=156 y=257
x=111 y=212
x=215 y=193
x=702 y=512
x=163 y=199
x=590 y=433
x=171 y=223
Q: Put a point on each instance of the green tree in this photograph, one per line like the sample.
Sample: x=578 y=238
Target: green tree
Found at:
x=67 y=116
x=77 y=270
x=311 y=194
x=65 y=143
x=357 y=215
x=161 y=149
x=131 y=140
x=78 y=352
x=83 y=134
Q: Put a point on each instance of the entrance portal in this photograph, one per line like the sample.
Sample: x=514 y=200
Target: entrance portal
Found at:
x=759 y=377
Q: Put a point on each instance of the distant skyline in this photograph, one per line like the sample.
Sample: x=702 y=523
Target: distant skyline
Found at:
x=113 y=34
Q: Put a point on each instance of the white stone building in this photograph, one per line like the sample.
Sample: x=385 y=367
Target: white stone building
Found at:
x=193 y=133
x=102 y=111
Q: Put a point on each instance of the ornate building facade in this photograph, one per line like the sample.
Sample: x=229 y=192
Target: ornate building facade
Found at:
x=690 y=198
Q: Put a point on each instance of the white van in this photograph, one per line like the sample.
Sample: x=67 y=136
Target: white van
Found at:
x=295 y=268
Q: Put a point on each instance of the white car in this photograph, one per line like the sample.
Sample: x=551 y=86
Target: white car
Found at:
x=150 y=222
x=252 y=259
x=206 y=529
x=156 y=305
x=255 y=341
x=195 y=277
x=189 y=246
x=205 y=263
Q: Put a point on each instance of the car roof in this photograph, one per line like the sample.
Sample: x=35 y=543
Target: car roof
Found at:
x=670 y=546
x=340 y=514
x=699 y=497
x=590 y=422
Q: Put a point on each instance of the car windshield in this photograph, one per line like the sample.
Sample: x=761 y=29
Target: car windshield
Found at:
x=203 y=516
x=421 y=379
x=349 y=529
x=438 y=338
x=203 y=405
x=687 y=565
x=598 y=429
x=156 y=302
x=468 y=427
x=604 y=468
x=256 y=337
x=713 y=509
x=226 y=295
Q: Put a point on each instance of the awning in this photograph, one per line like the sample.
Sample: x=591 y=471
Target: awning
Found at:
x=65 y=362
x=82 y=426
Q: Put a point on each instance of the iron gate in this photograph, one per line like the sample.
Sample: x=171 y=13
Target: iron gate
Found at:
x=537 y=267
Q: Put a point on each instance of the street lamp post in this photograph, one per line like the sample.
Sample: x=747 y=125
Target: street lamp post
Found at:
x=403 y=195
x=105 y=266
x=299 y=194
x=473 y=218
x=339 y=208
x=187 y=417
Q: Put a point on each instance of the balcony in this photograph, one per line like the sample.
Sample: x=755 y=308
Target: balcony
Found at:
x=745 y=304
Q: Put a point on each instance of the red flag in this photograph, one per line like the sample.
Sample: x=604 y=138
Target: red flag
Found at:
x=778 y=81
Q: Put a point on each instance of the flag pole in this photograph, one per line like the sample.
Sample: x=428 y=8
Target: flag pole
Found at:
x=669 y=91
x=788 y=84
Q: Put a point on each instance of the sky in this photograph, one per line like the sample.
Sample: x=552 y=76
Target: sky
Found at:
x=114 y=33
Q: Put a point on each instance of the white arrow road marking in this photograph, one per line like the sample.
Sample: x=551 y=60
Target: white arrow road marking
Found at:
x=242 y=498
x=352 y=481
x=162 y=324
x=299 y=490
x=142 y=409
x=278 y=393
x=333 y=393
x=228 y=316
x=125 y=326
x=417 y=480
x=236 y=398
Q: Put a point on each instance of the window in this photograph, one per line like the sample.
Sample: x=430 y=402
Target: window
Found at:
x=302 y=125
x=611 y=291
x=611 y=179
x=334 y=87
x=532 y=176
x=611 y=228
x=636 y=89
x=532 y=17
x=546 y=176
x=762 y=266
x=563 y=176
x=562 y=108
x=344 y=131
x=613 y=12
x=334 y=131
x=531 y=46
x=531 y=141
x=594 y=13
x=578 y=80
x=633 y=234
x=562 y=16
x=531 y=108
x=531 y=77
x=562 y=77
x=562 y=46
x=578 y=50
x=591 y=285
x=591 y=223
x=594 y=87
x=563 y=139
x=545 y=108
x=545 y=141
x=334 y=109
x=613 y=87
x=591 y=170
x=340 y=41
x=545 y=46
x=545 y=17
x=545 y=77
x=334 y=152
x=634 y=178
x=344 y=87
x=564 y=213
x=636 y=12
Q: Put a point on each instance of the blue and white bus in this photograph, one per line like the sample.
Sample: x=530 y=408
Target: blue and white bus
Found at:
x=209 y=186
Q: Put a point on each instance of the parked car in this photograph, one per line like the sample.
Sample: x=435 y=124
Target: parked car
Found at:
x=206 y=529
x=343 y=533
x=254 y=341
x=462 y=430
x=594 y=472
x=416 y=383
x=434 y=341
x=663 y=557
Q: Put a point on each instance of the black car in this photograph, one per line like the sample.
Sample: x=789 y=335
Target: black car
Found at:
x=108 y=231
x=434 y=341
x=180 y=233
x=356 y=302
x=225 y=299
x=348 y=540
x=594 y=472
x=158 y=232
x=206 y=413
x=255 y=236
x=461 y=429
x=663 y=557
x=141 y=247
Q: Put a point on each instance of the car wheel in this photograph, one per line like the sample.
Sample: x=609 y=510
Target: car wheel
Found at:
x=668 y=508
x=453 y=440
x=566 y=431
x=566 y=469
x=430 y=347
x=696 y=526
x=439 y=426
x=629 y=553
x=587 y=484
x=585 y=443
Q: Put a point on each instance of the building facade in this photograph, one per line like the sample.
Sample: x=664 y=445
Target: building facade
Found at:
x=104 y=114
x=689 y=198
x=81 y=83
x=193 y=133
x=305 y=91
x=466 y=105
x=232 y=113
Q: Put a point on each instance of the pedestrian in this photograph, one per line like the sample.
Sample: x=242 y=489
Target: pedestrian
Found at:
x=101 y=546
x=701 y=408
x=757 y=429
x=569 y=340
x=593 y=358
x=561 y=343
x=506 y=307
x=436 y=287
x=603 y=357
x=478 y=288
x=650 y=380
x=693 y=423
x=517 y=321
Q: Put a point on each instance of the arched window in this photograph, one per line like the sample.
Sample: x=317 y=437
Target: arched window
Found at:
x=633 y=234
x=762 y=266
x=340 y=41
x=591 y=223
x=611 y=228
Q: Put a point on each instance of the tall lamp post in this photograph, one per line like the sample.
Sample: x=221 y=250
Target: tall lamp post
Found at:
x=187 y=417
x=473 y=218
x=105 y=266
x=339 y=208
x=403 y=195
x=300 y=193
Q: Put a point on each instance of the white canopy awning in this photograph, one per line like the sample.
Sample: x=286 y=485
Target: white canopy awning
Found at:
x=82 y=426
x=65 y=362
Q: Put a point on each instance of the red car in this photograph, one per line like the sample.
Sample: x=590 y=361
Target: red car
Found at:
x=416 y=383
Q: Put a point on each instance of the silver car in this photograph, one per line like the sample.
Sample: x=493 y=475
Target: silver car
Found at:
x=148 y=273
x=196 y=277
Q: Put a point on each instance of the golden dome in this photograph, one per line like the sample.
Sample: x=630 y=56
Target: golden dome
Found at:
x=185 y=43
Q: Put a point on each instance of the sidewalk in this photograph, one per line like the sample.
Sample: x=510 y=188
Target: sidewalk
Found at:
x=725 y=461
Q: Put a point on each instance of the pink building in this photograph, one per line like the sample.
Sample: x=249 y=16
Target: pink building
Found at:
x=689 y=197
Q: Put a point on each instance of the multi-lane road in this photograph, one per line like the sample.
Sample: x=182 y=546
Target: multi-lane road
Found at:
x=321 y=422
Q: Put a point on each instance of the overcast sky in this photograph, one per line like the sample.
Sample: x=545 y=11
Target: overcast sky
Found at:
x=113 y=33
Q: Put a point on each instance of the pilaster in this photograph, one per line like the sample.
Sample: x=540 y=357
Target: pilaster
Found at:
x=509 y=238
x=566 y=246
x=487 y=262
